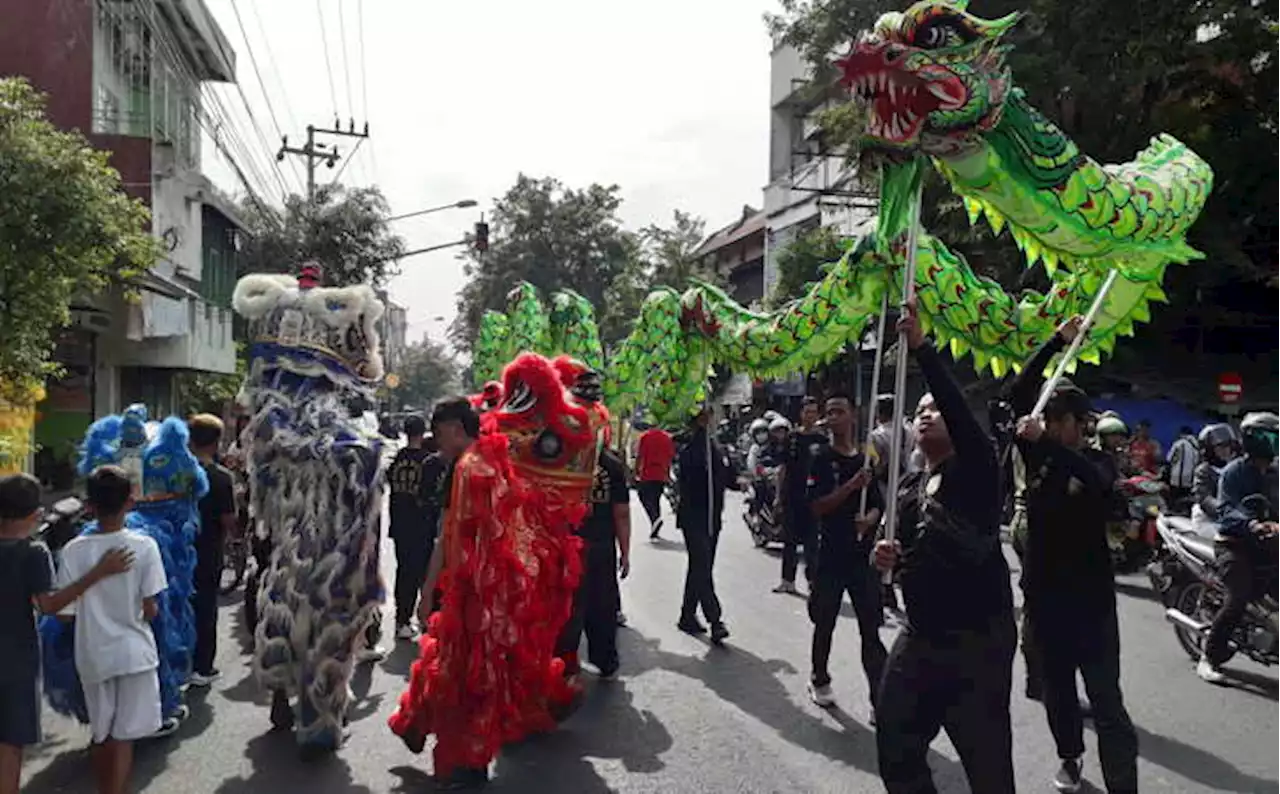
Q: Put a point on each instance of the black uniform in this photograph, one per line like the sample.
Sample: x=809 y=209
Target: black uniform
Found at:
x=595 y=605
x=950 y=667
x=415 y=476
x=699 y=517
x=803 y=447
x=1069 y=592
x=220 y=501
x=843 y=567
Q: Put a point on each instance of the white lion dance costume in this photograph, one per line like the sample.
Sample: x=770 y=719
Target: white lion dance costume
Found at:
x=170 y=485
x=314 y=491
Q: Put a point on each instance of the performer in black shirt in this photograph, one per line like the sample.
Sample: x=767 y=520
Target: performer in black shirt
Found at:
x=805 y=443
x=951 y=665
x=840 y=474
x=415 y=476
x=606 y=550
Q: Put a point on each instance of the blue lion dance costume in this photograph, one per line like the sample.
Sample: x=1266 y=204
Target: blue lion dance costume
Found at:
x=172 y=483
x=314 y=488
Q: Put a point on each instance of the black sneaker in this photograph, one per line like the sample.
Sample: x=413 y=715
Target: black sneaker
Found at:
x=1068 y=777
x=281 y=712
x=691 y=627
x=719 y=633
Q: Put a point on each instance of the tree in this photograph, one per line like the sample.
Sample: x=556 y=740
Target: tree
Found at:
x=209 y=392
x=344 y=229
x=551 y=236
x=428 y=373
x=802 y=262
x=66 y=227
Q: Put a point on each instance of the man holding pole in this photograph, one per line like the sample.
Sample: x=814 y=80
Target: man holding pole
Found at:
x=1067 y=580
x=952 y=664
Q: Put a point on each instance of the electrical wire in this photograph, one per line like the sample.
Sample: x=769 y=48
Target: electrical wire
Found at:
x=346 y=63
x=347 y=161
x=289 y=115
x=262 y=86
x=364 y=74
x=328 y=63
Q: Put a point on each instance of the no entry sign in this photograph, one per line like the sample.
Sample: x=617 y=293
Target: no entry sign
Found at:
x=1230 y=387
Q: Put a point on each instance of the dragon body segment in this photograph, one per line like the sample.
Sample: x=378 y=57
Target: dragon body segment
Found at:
x=937 y=91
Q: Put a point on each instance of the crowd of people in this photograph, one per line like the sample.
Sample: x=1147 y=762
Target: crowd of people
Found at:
x=949 y=668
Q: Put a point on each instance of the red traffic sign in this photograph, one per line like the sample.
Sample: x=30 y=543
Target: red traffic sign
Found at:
x=1230 y=387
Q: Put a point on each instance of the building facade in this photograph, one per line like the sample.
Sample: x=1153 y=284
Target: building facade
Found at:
x=129 y=76
x=736 y=254
x=809 y=185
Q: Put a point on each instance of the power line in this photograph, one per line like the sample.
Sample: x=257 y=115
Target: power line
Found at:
x=346 y=63
x=346 y=162
x=364 y=74
x=261 y=86
x=328 y=64
x=271 y=62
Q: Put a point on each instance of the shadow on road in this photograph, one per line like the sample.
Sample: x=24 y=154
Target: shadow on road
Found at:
x=1253 y=683
x=401 y=658
x=1137 y=590
x=277 y=768
x=70 y=771
x=1198 y=765
x=662 y=544
x=751 y=684
x=607 y=726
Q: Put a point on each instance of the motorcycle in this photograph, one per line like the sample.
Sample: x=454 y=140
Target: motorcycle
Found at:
x=61 y=523
x=1134 y=540
x=1185 y=575
x=761 y=518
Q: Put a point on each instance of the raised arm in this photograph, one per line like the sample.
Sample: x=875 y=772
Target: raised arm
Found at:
x=972 y=444
x=1024 y=389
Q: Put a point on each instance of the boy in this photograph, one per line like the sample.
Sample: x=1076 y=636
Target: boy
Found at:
x=26 y=578
x=218 y=519
x=115 y=649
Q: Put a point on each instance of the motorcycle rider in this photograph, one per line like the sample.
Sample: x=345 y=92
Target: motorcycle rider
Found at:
x=1246 y=535
x=1067 y=580
x=1218 y=446
x=1184 y=456
x=759 y=442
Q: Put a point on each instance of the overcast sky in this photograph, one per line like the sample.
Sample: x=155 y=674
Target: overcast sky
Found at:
x=666 y=98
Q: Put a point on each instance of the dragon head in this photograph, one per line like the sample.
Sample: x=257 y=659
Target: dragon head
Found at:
x=552 y=435
x=933 y=78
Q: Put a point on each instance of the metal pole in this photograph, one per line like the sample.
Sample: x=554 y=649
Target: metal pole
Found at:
x=900 y=377
x=311 y=164
x=711 y=486
x=875 y=390
x=1071 y=351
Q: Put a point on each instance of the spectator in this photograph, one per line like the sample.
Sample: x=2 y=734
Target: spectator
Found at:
x=654 y=453
x=218 y=520
x=1145 y=453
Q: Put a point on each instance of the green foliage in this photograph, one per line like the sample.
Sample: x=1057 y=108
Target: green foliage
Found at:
x=428 y=373
x=66 y=227
x=210 y=392
x=345 y=230
x=555 y=237
x=804 y=261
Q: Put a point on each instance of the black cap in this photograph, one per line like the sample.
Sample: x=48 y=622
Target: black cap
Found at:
x=415 y=425
x=1069 y=398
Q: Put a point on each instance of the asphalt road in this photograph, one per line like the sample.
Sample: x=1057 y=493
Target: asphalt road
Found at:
x=684 y=717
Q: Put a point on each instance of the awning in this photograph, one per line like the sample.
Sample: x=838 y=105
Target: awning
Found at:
x=154 y=282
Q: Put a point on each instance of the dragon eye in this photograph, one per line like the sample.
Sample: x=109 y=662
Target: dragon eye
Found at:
x=941 y=32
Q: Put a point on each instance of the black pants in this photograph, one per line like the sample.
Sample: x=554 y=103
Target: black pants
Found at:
x=595 y=608
x=650 y=493
x=799 y=534
x=699 y=586
x=204 y=602
x=958 y=681
x=412 y=556
x=1088 y=640
x=828 y=589
x=1237 y=564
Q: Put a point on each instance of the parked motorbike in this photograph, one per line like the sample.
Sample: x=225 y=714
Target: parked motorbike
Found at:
x=60 y=523
x=762 y=520
x=1134 y=540
x=1185 y=575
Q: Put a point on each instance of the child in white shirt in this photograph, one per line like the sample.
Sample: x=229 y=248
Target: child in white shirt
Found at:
x=114 y=647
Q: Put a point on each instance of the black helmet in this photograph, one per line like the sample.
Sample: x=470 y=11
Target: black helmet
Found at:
x=1259 y=433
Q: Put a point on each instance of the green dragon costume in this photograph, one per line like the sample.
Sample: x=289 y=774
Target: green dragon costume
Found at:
x=936 y=88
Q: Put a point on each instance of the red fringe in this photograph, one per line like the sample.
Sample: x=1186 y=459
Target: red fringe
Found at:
x=487 y=675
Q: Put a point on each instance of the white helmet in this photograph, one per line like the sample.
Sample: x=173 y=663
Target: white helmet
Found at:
x=760 y=426
x=779 y=423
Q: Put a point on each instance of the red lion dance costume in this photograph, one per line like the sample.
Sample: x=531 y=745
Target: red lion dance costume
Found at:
x=488 y=675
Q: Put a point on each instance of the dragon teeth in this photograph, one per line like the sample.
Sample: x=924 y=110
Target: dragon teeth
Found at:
x=940 y=92
x=893 y=91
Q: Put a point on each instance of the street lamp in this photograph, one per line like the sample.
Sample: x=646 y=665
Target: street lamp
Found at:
x=457 y=205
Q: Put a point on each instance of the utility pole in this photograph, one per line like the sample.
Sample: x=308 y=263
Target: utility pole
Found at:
x=315 y=152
